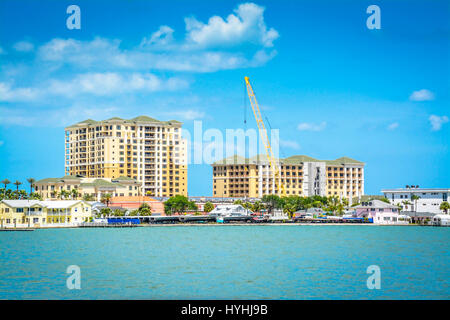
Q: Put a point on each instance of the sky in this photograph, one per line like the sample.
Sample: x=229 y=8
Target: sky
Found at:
x=332 y=86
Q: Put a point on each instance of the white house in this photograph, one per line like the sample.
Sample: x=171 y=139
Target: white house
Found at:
x=381 y=212
x=429 y=201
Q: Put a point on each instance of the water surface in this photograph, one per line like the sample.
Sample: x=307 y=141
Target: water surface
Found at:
x=227 y=262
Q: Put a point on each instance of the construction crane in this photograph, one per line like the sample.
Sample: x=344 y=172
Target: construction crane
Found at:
x=265 y=139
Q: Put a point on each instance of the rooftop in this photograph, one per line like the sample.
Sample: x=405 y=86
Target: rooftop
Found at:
x=84 y=182
x=375 y=204
x=297 y=159
x=116 y=120
x=416 y=190
x=59 y=204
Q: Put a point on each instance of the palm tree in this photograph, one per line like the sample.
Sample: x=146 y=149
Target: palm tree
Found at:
x=257 y=206
x=106 y=198
x=406 y=203
x=415 y=198
x=445 y=206
x=5 y=182
x=31 y=181
x=17 y=184
x=88 y=197
x=75 y=194
x=63 y=194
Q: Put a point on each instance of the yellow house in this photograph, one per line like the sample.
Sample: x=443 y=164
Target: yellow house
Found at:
x=68 y=211
x=21 y=213
x=35 y=213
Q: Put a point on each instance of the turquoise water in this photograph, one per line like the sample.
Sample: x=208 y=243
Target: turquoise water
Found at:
x=227 y=262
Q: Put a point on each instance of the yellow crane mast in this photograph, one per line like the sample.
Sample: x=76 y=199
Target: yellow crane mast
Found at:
x=265 y=138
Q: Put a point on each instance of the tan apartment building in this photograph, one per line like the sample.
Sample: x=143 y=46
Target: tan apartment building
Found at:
x=52 y=188
x=301 y=175
x=147 y=150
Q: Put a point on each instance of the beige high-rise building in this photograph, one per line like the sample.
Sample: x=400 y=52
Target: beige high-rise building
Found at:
x=301 y=175
x=148 y=150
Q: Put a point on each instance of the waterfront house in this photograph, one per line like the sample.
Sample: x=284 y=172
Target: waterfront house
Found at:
x=381 y=212
x=36 y=213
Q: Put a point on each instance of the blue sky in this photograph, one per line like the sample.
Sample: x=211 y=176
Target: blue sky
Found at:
x=332 y=86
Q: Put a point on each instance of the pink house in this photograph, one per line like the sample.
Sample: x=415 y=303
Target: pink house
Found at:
x=381 y=212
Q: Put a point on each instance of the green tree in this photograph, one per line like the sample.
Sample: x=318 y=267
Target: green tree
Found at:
x=5 y=182
x=257 y=206
x=106 y=198
x=31 y=181
x=208 y=207
x=88 y=197
x=64 y=194
x=406 y=203
x=144 y=209
x=17 y=184
x=75 y=194
x=272 y=201
x=414 y=198
x=105 y=212
x=118 y=213
x=35 y=196
x=178 y=204
x=445 y=206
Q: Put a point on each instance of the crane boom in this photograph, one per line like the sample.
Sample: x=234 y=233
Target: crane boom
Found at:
x=265 y=138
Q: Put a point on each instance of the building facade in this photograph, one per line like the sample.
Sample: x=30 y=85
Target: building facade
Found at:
x=429 y=199
x=36 y=213
x=147 y=150
x=301 y=175
x=52 y=188
x=381 y=212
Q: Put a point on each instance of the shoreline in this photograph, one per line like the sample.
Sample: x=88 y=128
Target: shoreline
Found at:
x=214 y=225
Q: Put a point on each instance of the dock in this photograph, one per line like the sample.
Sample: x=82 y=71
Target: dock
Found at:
x=107 y=225
x=17 y=229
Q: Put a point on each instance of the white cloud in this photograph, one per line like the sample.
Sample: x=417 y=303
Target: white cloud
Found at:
x=393 y=126
x=23 y=46
x=187 y=114
x=58 y=117
x=162 y=37
x=197 y=52
x=289 y=144
x=9 y=94
x=437 y=122
x=110 y=83
x=104 y=54
x=422 y=95
x=246 y=25
x=98 y=84
x=305 y=126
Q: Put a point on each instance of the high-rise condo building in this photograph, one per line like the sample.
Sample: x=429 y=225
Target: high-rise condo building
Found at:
x=301 y=175
x=148 y=150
